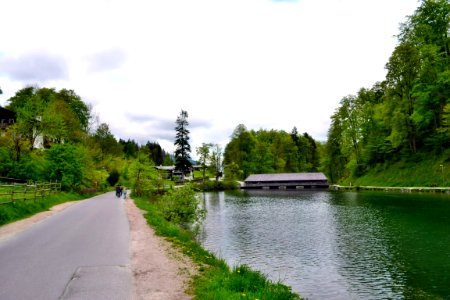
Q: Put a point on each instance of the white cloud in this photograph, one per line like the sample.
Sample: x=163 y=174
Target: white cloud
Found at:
x=39 y=67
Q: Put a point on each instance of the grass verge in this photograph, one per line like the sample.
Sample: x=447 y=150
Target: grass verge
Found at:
x=420 y=170
x=216 y=280
x=22 y=209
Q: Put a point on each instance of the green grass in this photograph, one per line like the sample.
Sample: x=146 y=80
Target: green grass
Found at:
x=418 y=171
x=22 y=209
x=215 y=280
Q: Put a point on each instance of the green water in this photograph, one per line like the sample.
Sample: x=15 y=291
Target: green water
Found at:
x=337 y=245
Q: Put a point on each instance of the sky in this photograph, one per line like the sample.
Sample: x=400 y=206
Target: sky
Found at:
x=267 y=64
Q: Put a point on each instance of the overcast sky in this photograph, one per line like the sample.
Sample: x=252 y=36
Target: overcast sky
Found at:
x=269 y=64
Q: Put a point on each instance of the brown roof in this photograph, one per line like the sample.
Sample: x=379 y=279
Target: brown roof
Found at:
x=286 y=177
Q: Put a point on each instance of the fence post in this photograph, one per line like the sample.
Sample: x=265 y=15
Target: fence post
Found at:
x=12 y=192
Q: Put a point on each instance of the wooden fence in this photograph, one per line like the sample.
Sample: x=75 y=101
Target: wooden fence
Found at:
x=11 y=193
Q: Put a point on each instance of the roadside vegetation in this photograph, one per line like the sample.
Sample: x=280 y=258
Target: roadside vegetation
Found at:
x=169 y=215
x=22 y=209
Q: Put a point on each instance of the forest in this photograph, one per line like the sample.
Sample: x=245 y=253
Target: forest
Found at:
x=56 y=137
x=406 y=117
x=269 y=151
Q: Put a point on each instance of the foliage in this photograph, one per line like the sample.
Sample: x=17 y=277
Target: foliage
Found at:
x=262 y=151
x=130 y=148
x=145 y=179
x=210 y=185
x=407 y=114
x=156 y=153
x=182 y=206
x=216 y=160
x=215 y=279
x=54 y=138
x=182 y=146
x=421 y=169
x=64 y=164
x=106 y=141
x=113 y=177
x=204 y=156
x=56 y=115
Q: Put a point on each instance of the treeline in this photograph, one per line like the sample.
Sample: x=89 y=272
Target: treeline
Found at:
x=405 y=117
x=56 y=137
x=269 y=151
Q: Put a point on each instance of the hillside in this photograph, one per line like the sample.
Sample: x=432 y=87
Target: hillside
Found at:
x=418 y=171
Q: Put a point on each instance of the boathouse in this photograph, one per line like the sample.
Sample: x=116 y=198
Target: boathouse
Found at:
x=286 y=181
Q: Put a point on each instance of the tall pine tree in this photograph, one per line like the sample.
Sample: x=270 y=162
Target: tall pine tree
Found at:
x=182 y=147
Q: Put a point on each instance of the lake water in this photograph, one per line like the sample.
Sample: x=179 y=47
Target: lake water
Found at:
x=330 y=245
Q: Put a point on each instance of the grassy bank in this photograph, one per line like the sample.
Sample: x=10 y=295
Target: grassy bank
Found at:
x=418 y=171
x=23 y=209
x=216 y=280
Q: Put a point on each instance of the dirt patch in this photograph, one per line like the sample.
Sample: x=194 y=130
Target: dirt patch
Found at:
x=160 y=271
x=9 y=230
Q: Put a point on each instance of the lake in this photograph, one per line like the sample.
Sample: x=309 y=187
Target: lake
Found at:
x=336 y=245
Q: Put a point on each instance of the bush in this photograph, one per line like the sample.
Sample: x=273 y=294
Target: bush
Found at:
x=211 y=185
x=181 y=206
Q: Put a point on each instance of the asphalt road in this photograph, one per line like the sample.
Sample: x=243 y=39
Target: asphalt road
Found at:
x=79 y=253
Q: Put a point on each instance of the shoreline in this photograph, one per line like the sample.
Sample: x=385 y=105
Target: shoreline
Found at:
x=442 y=190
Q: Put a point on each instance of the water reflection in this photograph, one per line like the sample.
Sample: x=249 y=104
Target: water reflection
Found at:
x=334 y=245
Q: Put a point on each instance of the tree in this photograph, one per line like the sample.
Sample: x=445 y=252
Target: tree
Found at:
x=183 y=148
x=239 y=156
x=157 y=154
x=403 y=69
x=143 y=175
x=65 y=164
x=216 y=160
x=130 y=148
x=203 y=153
x=106 y=141
x=48 y=116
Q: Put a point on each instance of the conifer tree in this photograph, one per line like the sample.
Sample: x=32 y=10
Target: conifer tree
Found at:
x=183 y=149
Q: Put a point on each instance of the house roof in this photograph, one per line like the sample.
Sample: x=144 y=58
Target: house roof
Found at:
x=286 y=177
x=6 y=113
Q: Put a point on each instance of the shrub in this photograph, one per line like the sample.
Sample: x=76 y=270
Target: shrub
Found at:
x=181 y=206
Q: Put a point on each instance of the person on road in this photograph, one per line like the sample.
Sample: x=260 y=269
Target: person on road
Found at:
x=118 y=191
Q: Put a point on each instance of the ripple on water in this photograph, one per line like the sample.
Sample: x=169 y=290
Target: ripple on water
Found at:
x=326 y=246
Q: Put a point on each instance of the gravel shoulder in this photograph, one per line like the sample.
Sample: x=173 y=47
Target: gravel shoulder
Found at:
x=160 y=271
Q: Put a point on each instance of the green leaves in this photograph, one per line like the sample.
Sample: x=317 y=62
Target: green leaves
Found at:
x=182 y=206
x=269 y=151
x=65 y=164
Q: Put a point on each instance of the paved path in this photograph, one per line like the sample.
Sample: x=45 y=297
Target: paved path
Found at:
x=79 y=253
